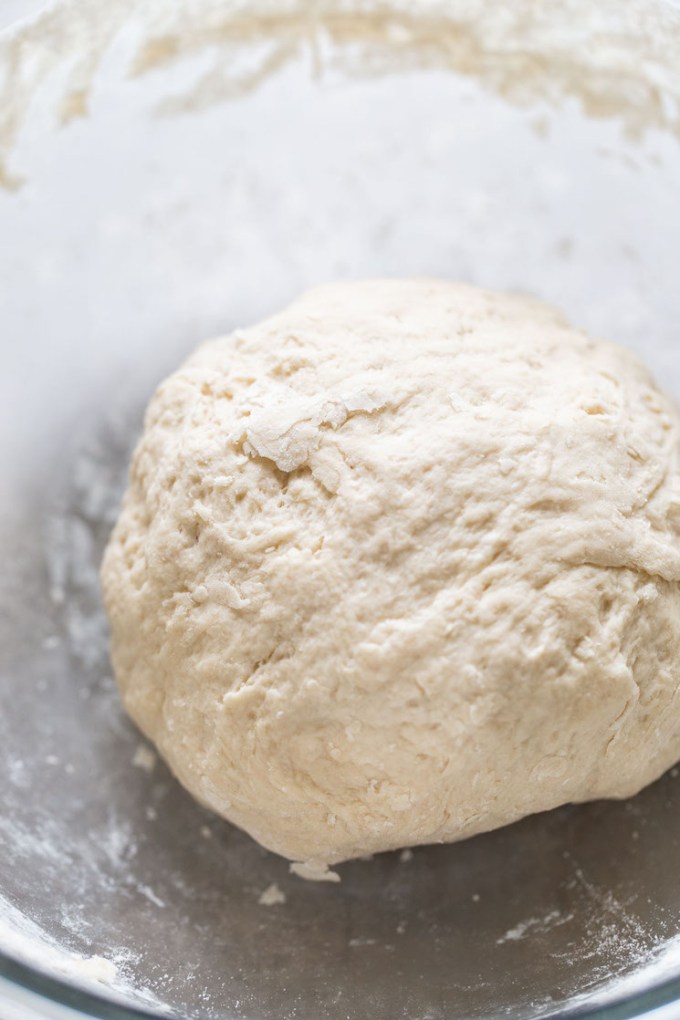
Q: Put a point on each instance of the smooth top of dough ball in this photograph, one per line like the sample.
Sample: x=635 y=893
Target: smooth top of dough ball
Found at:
x=399 y=565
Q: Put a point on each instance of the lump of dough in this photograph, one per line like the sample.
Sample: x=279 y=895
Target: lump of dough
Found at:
x=399 y=565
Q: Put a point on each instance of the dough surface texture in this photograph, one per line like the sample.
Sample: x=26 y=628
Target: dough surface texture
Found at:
x=399 y=565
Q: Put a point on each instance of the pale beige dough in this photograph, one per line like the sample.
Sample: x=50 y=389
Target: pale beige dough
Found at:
x=399 y=565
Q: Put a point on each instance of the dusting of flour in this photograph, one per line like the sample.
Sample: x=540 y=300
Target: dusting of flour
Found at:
x=25 y=941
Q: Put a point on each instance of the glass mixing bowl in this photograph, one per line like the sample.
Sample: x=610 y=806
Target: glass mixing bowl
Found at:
x=169 y=171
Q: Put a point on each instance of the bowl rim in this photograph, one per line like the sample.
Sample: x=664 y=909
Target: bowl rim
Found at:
x=97 y=1006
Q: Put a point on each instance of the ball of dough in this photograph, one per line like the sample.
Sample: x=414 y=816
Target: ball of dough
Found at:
x=399 y=565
